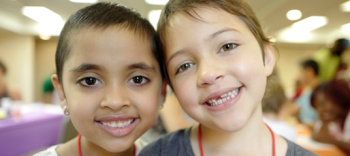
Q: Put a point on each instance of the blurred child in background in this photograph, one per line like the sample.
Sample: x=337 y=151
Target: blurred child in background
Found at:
x=332 y=102
x=272 y=104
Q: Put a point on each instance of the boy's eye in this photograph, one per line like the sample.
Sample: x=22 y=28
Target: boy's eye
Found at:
x=184 y=67
x=139 y=80
x=228 y=47
x=89 y=81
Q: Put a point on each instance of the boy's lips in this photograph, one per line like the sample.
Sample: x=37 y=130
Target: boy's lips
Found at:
x=118 y=126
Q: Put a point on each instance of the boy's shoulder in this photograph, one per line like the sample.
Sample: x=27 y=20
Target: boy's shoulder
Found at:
x=173 y=144
x=296 y=150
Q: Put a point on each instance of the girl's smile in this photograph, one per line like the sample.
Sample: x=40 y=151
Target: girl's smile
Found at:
x=118 y=126
x=222 y=99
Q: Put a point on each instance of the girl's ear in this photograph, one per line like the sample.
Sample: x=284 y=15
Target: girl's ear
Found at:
x=59 y=88
x=269 y=59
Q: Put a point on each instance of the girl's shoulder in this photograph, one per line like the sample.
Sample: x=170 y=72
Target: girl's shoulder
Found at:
x=175 y=143
x=51 y=151
x=296 y=150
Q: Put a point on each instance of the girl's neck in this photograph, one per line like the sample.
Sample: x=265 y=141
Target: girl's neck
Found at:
x=253 y=139
x=88 y=148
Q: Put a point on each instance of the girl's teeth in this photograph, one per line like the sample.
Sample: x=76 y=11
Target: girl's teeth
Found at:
x=120 y=124
x=224 y=98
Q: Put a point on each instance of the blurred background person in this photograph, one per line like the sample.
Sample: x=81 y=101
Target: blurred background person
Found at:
x=330 y=59
x=309 y=80
x=332 y=102
x=5 y=90
x=49 y=93
x=272 y=104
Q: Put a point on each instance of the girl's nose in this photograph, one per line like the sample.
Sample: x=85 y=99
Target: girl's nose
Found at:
x=210 y=75
x=115 y=99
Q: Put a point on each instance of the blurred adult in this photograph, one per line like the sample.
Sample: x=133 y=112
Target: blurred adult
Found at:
x=5 y=90
x=329 y=59
x=332 y=102
x=309 y=80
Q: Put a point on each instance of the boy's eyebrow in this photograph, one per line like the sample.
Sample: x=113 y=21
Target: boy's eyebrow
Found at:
x=142 y=66
x=175 y=54
x=85 y=67
x=221 y=31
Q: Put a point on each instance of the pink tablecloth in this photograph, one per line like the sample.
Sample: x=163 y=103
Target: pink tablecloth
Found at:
x=29 y=133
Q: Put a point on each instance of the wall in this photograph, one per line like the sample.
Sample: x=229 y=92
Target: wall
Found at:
x=17 y=52
x=44 y=63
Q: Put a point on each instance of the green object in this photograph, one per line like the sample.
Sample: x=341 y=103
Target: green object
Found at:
x=328 y=64
x=48 y=86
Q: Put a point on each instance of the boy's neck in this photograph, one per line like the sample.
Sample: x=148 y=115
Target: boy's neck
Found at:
x=88 y=148
x=253 y=139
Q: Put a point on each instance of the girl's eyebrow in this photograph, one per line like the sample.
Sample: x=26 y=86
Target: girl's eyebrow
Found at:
x=220 y=32
x=141 y=65
x=85 y=67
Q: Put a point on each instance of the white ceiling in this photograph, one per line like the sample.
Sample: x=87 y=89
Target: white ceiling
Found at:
x=271 y=13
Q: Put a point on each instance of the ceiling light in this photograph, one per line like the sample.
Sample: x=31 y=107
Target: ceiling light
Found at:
x=345 y=7
x=294 y=36
x=157 y=2
x=84 y=1
x=153 y=17
x=294 y=15
x=41 y=14
x=346 y=28
x=44 y=37
x=309 y=24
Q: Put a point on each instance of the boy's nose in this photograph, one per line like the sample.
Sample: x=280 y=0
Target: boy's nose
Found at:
x=209 y=75
x=115 y=99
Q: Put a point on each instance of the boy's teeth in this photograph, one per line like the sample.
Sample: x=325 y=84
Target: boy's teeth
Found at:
x=118 y=124
x=224 y=97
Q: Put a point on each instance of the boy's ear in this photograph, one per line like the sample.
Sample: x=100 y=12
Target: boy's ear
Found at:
x=59 y=88
x=269 y=59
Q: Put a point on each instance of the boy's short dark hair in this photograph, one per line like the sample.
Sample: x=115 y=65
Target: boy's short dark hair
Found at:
x=3 y=67
x=101 y=16
x=311 y=64
x=274 y=97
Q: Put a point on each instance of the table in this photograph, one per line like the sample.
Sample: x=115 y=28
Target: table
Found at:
x=304 y=139
x=38 y=128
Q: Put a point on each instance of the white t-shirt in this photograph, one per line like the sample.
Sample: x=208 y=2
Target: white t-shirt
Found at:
x=282 y=128
x=51 y=151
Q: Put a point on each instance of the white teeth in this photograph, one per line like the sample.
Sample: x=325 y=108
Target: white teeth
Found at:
x=120 y=124
x=223 y=100
x=224 y=97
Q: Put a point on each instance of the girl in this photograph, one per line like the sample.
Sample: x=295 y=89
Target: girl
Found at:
x=217 y=61
x=332 y=102
x=111 y=88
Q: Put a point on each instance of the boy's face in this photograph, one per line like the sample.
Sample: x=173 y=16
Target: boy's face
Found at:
x=112 y=86
x=219 y=62
x=327 y=110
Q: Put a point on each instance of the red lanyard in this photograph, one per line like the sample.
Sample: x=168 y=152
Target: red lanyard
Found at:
x=201 y=145
x=79 y=149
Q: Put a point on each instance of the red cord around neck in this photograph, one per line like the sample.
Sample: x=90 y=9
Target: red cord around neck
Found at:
x=201 y=145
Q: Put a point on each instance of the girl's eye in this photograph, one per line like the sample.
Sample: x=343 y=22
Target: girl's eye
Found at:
x=228 y=47
x=139 y=80
x=89 y=81
x=184 y=67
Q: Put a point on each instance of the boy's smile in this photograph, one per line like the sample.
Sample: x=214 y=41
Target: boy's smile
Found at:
x=112 y=86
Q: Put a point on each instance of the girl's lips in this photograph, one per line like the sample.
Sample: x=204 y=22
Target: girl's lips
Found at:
x=227 y=104
x=117 y=126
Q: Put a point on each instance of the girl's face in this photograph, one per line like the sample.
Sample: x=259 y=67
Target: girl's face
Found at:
x=216 y=68
x=327 y=110
x=112 y=87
